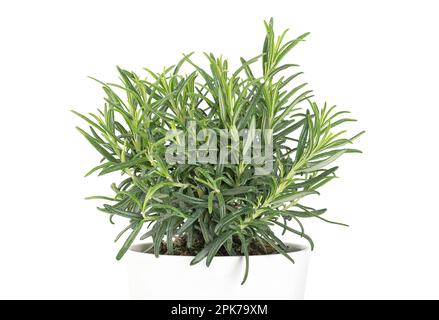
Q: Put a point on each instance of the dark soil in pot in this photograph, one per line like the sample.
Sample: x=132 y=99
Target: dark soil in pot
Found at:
x=181 y=247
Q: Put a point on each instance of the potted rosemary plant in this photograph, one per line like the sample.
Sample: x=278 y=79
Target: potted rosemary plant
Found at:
x=215 y=164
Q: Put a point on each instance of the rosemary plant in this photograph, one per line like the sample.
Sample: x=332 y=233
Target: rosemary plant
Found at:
x=206 y=207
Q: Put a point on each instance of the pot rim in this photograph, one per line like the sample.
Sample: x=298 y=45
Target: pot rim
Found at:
x=140 y=248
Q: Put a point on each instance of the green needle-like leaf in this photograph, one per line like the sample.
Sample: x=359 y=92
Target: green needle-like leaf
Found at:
x=130 y=240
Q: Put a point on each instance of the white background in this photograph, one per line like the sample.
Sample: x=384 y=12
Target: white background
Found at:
x=379 y=59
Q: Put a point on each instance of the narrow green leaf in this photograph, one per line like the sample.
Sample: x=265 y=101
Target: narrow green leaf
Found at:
x=189 y=222
x=302 y=140
x=122 y=166
x=97 y=146
x=188 y=199
x=130 y=240
x=221 y=204
x=291 y=197
x=295 y=232
x=244 y=250
x=275 y=246
x=314 y=180
x=168 y=208
x=229 y=218
x=323 y=163
x=130 y=226
x=201 y=255
x=100 y=198
x=239 y=190
x=210 y=201
x=122 y=213
x=303 y=214
x=217 y=244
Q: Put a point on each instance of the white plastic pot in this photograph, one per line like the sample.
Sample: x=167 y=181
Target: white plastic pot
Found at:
x=172 y=277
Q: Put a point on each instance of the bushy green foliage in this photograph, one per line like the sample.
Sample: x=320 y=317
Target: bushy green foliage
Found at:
x=217 y=205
